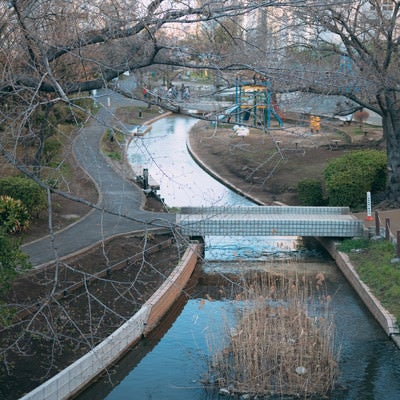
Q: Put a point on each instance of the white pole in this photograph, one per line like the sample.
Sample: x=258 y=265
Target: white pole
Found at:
x=369 y=211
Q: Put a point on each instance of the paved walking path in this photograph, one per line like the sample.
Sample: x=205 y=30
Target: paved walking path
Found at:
x=122 y=199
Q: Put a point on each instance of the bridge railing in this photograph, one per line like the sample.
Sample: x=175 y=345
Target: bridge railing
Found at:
x=268 y=221
x=250 y=227
x=298 y=210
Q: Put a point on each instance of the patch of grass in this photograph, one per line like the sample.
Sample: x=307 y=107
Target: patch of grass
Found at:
x=349 y=245
x=112 y=144
x=58 y=174
x=358 y=131
x=114 y=155
x=136 y=115
x=373 y=262
x=114 y=136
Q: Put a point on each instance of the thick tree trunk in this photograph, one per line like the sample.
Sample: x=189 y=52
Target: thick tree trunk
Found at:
x=391 y=130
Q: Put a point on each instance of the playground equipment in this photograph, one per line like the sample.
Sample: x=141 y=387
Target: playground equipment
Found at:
x=255 y=100
x=315 y=124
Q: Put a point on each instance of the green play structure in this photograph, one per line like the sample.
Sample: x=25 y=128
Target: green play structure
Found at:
x=255 y=102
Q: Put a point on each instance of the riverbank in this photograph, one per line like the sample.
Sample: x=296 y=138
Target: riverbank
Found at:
x=79 y=374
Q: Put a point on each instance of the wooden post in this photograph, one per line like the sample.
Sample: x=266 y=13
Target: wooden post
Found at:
x=398 y=244
x=377 y=225
x=387 y=229
x=145 y=178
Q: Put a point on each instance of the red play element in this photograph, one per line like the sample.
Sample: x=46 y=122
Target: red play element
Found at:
x=278 y=111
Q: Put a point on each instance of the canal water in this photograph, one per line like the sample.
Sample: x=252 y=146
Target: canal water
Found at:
x=170 y=364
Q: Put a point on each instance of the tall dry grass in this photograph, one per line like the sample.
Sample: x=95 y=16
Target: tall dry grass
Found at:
x=282 y=342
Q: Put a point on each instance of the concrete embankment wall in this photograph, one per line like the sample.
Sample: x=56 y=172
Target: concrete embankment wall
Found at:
x=385 y=319
x=170 y=290
x=78 y=375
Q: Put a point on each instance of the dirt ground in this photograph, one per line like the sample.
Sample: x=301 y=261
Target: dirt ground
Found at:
x=65 y=310
x=268 y=166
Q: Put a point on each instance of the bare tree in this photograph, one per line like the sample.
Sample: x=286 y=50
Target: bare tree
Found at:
x=351 y=48
x=53 y=53
x=345 y=48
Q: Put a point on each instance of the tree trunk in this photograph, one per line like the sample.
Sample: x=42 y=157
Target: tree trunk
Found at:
x=391 y=130
x=37 y=163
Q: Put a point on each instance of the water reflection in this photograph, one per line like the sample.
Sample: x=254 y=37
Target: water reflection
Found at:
x=163 y=151
x=250 y=247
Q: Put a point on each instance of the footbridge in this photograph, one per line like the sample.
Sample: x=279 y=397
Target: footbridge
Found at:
x=269 y=221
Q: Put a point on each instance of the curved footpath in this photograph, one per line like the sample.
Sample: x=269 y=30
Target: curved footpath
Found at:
x=119 y=209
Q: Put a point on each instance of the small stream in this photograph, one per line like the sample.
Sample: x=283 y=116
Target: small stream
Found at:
x=170 y=363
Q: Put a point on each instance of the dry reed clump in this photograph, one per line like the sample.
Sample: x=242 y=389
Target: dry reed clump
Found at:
x=282 y=343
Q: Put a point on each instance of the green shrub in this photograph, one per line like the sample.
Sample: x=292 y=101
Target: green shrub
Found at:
x=14 y=216
x=12 y=262
x=348 y=178
x=344 y=189
x=30 y=193
x=310 y=192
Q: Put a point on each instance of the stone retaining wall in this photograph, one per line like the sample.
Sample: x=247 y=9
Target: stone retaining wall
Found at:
x=78 y=375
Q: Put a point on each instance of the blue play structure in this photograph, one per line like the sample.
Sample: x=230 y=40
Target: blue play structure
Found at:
x=228 y=113
x=346 y=68
x=253 y=102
